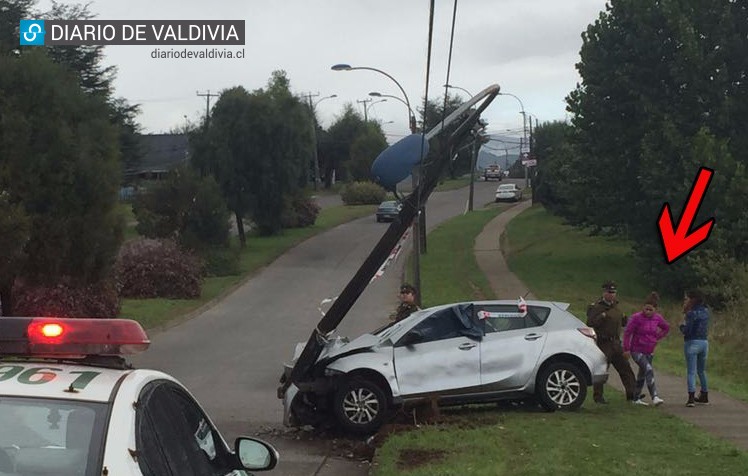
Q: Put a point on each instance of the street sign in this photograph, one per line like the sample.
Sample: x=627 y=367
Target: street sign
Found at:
x=530 y=162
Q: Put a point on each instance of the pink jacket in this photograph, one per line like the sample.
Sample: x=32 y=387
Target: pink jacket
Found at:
x=642 y=333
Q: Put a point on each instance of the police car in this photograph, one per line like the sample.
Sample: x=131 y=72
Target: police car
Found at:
x=70 y=405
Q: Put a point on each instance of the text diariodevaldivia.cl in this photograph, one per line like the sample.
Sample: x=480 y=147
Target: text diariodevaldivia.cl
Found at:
x=206 y=53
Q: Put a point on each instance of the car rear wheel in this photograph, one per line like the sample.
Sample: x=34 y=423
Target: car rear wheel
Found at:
x=360 y=406
x=561 y=386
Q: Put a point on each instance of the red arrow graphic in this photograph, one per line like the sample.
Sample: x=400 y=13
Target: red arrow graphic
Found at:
x=678 y=242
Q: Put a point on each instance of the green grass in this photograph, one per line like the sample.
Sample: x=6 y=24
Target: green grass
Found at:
x=563 y=263
x=452 y=184
x=259 y=252
x=618 y=439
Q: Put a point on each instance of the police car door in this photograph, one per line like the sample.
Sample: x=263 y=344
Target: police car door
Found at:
x=511 y=347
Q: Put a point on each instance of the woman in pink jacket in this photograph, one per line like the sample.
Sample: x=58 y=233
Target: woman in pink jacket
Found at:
x=643 y=331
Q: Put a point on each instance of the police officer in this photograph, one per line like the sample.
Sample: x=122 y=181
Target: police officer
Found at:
x=407 y=304
x=607 y=320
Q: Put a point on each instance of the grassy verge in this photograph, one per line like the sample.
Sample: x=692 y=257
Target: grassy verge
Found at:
x=452 y=184
x=570 y=267
x=617 y=439
x=260 y=251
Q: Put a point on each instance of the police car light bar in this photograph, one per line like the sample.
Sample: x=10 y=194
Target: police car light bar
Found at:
x=70 y=338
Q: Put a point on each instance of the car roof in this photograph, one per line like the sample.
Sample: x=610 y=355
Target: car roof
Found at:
x=507 y=185
x=388 y=202
x=50 y=379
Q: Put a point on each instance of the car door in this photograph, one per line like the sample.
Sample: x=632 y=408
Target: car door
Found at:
x=173 y=435
x=511 y=347
x=443 y=360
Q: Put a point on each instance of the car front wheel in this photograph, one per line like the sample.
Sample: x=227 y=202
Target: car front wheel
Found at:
x=561 y=386
x=360 y=406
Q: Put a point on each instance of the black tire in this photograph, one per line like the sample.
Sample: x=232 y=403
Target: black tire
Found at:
x=360 y=406
x=561 y=386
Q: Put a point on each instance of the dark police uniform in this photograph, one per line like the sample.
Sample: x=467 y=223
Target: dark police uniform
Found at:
x=607 y=320
x=404 y=309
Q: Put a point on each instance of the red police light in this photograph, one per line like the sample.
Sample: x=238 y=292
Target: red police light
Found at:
x=70 y=338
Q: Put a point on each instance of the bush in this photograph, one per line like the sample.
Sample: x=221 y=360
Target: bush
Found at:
x=300 y=212
x=149 y=268
x=363 y=193
x=184 y=207
x=66 y=299
x=221 y=261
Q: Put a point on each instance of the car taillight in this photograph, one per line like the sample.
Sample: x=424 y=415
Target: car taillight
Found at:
x=588 y=332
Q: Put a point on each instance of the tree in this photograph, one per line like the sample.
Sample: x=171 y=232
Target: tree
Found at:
x=258 y=146
x=351 y=146
x=59 y=162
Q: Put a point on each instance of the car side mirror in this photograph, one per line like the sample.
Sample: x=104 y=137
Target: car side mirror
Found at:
x=255 y=454
x=410 y=338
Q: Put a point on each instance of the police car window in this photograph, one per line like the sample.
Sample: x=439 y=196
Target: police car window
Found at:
x=187 y=443
x=47 y=436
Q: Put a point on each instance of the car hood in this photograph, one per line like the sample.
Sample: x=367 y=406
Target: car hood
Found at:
x=341 y=345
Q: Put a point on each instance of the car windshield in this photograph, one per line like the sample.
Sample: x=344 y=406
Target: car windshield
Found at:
x=388 y=205
x=47 y=436
x=509 y=186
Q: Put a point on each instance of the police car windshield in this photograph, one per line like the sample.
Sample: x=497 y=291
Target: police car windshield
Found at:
x=47 y=436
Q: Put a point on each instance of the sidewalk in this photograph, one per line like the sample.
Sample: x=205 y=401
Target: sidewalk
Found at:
x=725 y=417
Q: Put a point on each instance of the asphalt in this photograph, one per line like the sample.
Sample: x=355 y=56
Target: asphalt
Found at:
x=725 y=417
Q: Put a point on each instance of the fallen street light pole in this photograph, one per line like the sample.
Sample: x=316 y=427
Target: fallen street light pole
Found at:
x=302 y=373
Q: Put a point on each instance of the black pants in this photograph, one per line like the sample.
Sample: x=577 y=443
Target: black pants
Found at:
x=614 y=353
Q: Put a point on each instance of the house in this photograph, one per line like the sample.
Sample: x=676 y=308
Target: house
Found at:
x=161 y=154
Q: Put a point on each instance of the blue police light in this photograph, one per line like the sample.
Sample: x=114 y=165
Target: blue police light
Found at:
x=396 y=162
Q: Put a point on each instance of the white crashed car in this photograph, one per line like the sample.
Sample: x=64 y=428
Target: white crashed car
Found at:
x=71 y=405
x=458 y=353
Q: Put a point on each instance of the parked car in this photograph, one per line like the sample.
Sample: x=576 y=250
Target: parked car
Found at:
x=508 y=191
x=388 y=210
x=458 y=353
x=71 y=405
x=493 y=172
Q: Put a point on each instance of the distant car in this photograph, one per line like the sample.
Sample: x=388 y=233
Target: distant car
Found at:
x=70 y=404
x=470 y=352
x=493 y=172
x=508 y=191
x=388 y=210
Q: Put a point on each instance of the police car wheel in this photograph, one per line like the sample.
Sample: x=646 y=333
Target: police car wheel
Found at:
x=561 y=386
x=360 y=406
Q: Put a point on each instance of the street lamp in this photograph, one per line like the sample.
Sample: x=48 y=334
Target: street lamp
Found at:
x=451 y=86
x=314 y=133
x=419 y=224
x=411 y=114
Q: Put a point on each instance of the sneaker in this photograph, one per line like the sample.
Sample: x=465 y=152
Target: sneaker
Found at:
x=690 y=402
x=641 y=402
x=702 y=399
x=657 y=401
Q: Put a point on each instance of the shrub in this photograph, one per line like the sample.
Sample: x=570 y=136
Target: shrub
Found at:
x=185 y=207
x=66 y=299
x=363 y=193
x=149 y=268
x=221 y=261
x=300 y=212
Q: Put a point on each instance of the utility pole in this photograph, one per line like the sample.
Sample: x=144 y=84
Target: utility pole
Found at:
x=364 y=101
x=207 y=97
x=309 y=97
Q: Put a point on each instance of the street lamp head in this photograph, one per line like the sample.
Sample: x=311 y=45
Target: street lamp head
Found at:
x=375 y=94
x=333 y=96
x=341 y=67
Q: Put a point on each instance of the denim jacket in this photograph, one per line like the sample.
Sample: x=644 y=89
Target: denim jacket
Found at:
x=697 y=323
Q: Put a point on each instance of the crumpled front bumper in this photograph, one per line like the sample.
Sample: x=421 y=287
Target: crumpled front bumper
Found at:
x=288 y=398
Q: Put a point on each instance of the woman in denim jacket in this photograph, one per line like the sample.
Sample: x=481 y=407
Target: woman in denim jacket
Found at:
x=643 y=331
x=696 y=347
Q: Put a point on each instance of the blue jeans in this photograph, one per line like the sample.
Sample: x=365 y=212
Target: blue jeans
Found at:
x=696 y=352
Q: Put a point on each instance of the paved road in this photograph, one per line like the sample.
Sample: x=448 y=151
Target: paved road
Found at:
x=231 y=355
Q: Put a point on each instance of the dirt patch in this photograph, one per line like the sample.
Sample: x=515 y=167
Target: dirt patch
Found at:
x=411 y=458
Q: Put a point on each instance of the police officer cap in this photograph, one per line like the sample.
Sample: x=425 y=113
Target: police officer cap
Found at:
x=610 y=286
x=407 y=288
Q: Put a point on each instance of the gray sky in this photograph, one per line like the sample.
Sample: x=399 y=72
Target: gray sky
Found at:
x=528 y=47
